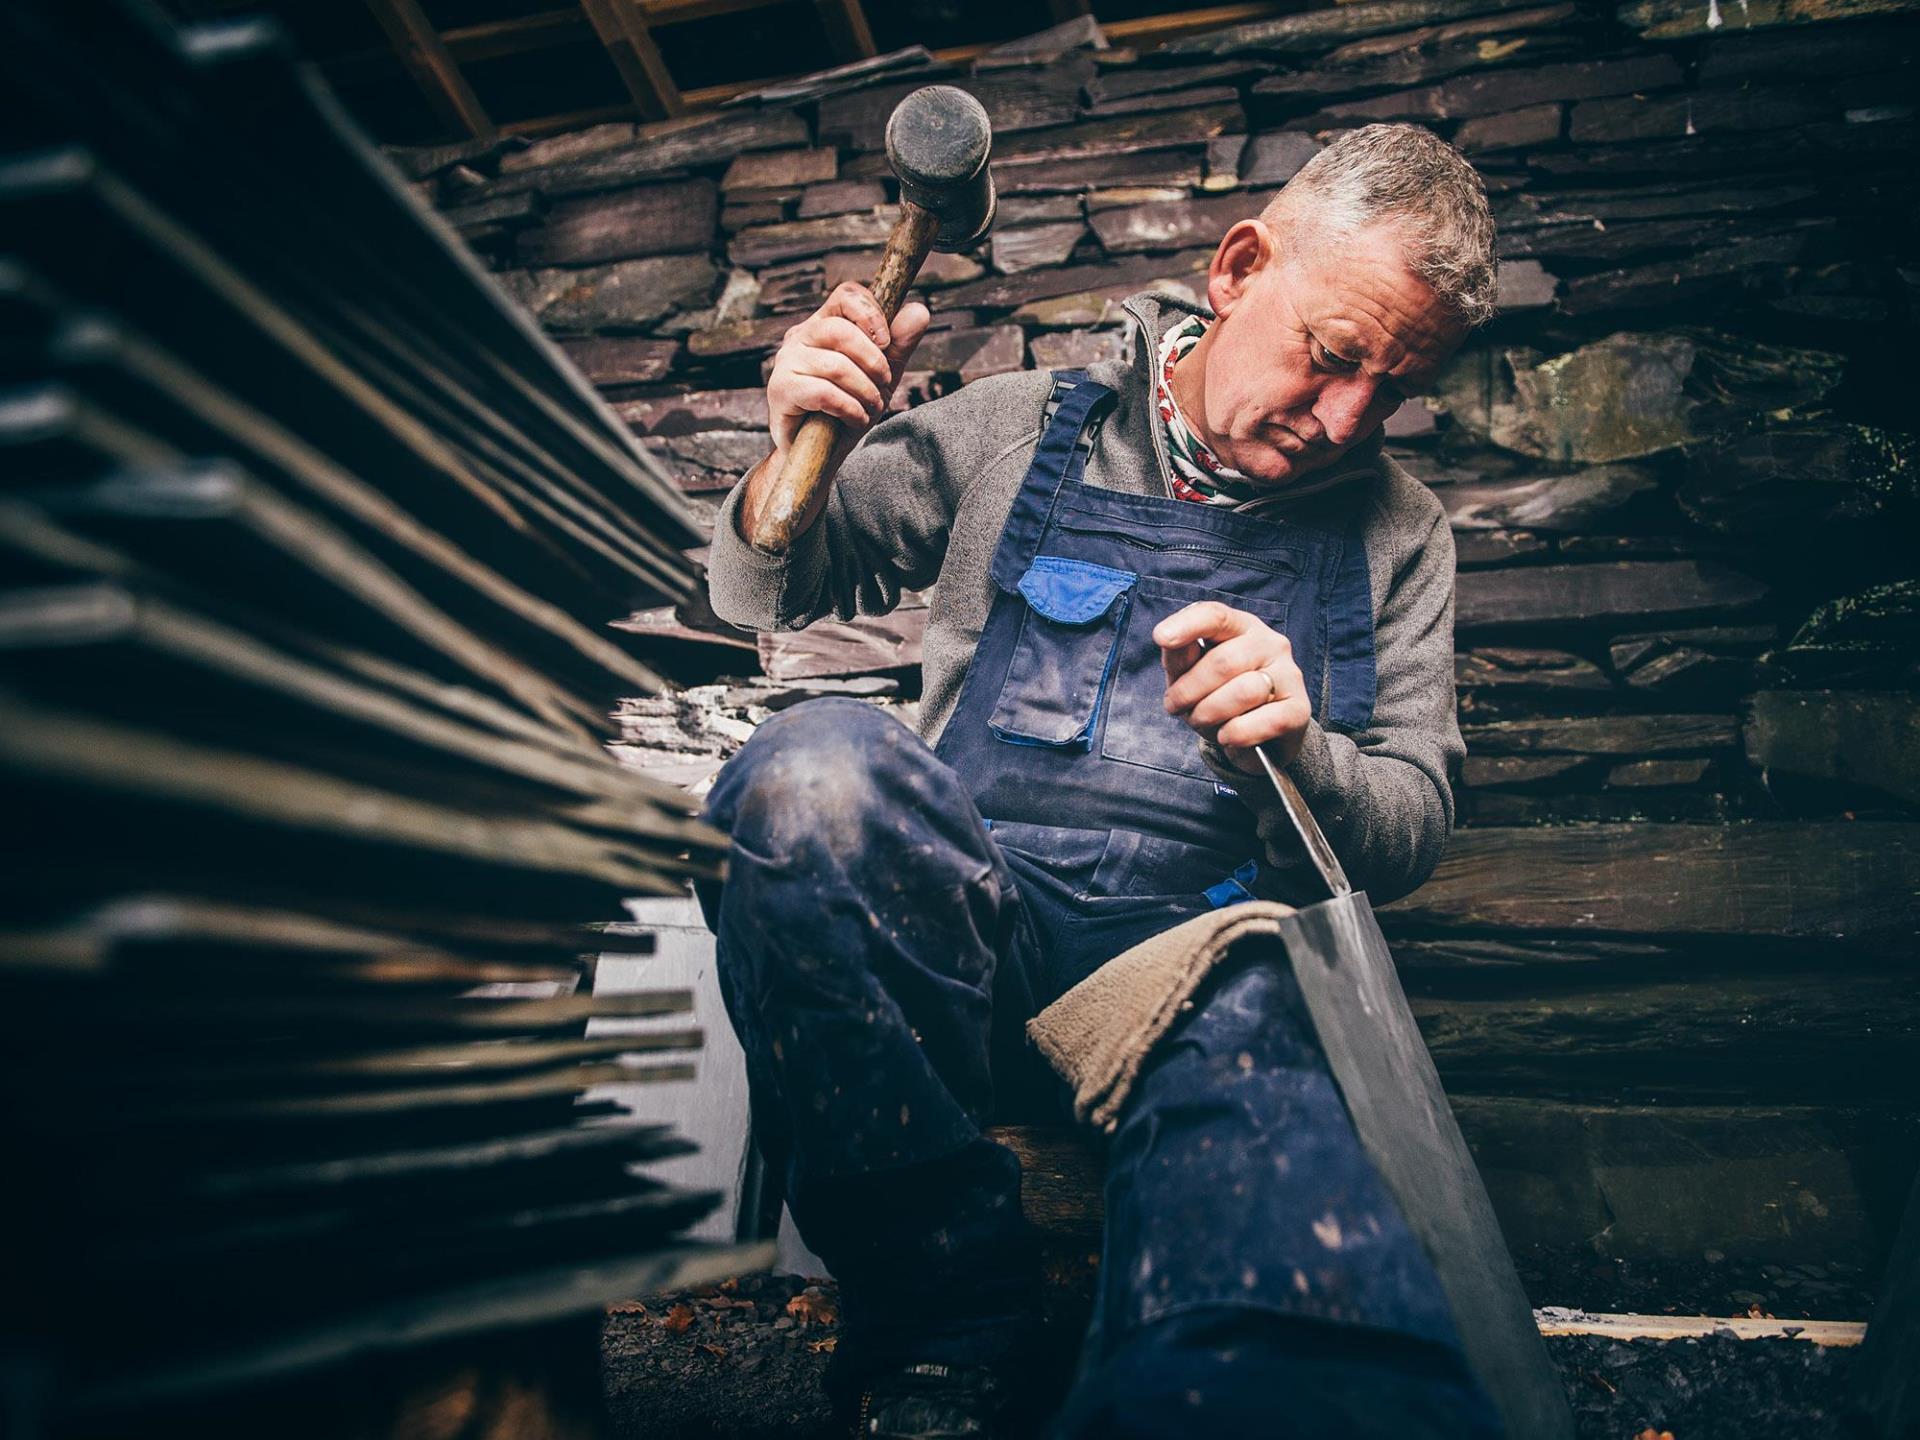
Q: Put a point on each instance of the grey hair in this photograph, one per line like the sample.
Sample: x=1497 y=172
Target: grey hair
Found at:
x=1413 y=180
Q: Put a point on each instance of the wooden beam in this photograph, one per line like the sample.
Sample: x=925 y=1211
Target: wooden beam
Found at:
x=494 y=38
x=425 y=57
x=676 y=12
x=622 y=28
x=847 y=29
x=1844 y=1333
x=1151 y=30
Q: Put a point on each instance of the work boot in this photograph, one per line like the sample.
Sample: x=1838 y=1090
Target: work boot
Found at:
x=929 y=1400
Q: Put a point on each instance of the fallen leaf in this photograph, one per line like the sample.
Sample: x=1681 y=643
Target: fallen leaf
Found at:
x=813 y=1307
x=1652 y=1434
x=627 y=1307
x=1757 y=1312
x=719 y=1350
x=678 y=1318
x=824 y=1345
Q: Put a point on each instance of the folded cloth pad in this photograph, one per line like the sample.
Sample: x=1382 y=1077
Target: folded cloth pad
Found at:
x=1098 y=1034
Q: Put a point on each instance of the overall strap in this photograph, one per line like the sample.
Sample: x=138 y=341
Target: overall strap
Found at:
x=1352 y=678
x=1073 y=415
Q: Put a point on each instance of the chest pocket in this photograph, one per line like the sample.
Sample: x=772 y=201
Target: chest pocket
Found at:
x=1063 y=661
x=1139 y=730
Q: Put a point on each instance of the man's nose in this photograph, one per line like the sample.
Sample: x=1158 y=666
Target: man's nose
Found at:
x=1342 y=406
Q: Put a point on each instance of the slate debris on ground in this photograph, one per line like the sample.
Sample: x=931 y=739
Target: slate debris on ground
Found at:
x=744 y=1368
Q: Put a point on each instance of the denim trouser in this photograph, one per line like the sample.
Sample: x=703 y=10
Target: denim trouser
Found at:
x=880 y=951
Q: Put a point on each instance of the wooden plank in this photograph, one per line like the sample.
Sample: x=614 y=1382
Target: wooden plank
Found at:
x=1832 y=1333
x=845 y=22
x=425 y=57
x=1062 y=1171
x=1817 y=880
x=1148 y=31
x=622 y=28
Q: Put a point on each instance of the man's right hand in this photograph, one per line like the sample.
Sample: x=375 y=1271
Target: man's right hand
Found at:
x=843 y=360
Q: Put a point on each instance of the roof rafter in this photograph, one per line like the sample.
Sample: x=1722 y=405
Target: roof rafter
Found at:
x=425 y=57
x=847 y=29
x=623 y=29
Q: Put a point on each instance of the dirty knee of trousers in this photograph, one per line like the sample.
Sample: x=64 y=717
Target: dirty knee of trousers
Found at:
x=1236 y=1179
x=838 y=786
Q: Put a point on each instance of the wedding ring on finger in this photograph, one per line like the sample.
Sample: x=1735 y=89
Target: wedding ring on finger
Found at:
x=1273 y=689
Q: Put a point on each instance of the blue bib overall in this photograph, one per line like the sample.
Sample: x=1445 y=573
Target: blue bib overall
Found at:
x=1060 y=726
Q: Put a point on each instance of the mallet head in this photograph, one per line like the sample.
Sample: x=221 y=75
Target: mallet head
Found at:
x=938 y=141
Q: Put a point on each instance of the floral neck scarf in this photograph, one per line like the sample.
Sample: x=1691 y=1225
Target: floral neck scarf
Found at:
x=1197 y=472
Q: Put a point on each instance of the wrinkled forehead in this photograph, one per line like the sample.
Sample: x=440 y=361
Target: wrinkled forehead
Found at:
x=1359 y=297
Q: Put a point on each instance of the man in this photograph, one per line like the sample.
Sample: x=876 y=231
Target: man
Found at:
x=1140 y=573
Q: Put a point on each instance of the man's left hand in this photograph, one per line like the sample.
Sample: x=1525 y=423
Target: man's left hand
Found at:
x=1233 y=679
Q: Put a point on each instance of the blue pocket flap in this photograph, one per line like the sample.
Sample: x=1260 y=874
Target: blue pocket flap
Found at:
x=1073 y=592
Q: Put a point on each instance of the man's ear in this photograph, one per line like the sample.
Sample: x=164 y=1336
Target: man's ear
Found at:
x=1244 y=251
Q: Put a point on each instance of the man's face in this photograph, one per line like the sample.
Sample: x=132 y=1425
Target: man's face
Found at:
x=1313 y=351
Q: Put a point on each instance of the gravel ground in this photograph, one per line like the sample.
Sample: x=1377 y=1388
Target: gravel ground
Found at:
x=742 y=1361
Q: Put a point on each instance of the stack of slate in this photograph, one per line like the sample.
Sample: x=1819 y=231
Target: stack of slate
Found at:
x=308 y=538
x=1667 y=966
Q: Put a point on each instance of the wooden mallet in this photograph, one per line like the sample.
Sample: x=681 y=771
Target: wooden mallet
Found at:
x=938 y=140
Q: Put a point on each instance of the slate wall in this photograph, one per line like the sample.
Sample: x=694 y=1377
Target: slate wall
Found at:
x=1671 y=947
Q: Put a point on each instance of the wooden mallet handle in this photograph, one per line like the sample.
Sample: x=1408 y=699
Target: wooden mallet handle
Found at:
x=797 y=486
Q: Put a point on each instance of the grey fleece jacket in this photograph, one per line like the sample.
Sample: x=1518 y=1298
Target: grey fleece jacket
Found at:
x=923 y=498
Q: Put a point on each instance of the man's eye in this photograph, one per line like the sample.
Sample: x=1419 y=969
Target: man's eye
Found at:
x=1327 y=360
